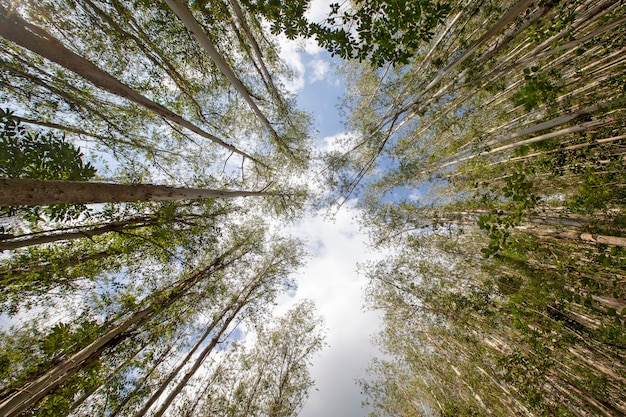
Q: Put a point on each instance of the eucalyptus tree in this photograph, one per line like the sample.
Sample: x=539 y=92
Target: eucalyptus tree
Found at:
x=269 y=377
x=121 y=282
x=502 y=137
x=40 y=42
x=470 y=98
x=248 y=298
x=195 y=94
x=505 y=336
x=166 y=234
x=219 y=284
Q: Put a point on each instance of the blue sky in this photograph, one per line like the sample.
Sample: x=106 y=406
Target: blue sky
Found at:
x=321 y=94
x=337 y=246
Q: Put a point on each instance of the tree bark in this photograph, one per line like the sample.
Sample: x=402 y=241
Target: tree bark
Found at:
x=575 y=236
x=30 y=192
x=19 y=242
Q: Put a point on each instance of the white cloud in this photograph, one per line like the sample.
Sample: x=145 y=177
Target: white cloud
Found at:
x=319 y=10
x=290 y=52
x=320 y=68
x=331 y=281
x=341 y=142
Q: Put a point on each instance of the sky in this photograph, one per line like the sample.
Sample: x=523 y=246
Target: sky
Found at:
x=330 y=278
x=331 y=281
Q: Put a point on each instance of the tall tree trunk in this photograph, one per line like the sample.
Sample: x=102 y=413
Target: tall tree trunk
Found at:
x=170 y=377
x=198 y=362
x=130 y=396
x=196 y=29
x=37 y=40
x=30 y=393
x=574 y=236
x=21 y=242
x=245 y=296
x=30 y=192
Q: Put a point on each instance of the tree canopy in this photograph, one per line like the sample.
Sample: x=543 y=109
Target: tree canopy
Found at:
x=485 y=154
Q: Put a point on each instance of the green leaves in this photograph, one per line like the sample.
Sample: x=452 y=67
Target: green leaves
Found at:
x=67 y=338
x=519 y=192
x=539 y=88
x=377 y=31
x=25 y=153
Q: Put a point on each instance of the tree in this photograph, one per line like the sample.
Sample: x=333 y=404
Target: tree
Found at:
x=485 y=166
x=33 y=391
x=271 y=377
x=38 y=41
x=374 y=31
x=104 y=294
x=34 y=192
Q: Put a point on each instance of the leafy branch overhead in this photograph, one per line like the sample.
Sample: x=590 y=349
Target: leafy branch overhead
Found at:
x=379 y=32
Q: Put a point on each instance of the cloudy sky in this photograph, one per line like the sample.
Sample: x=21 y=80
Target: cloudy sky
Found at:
x=337 y=245
x=330 y=279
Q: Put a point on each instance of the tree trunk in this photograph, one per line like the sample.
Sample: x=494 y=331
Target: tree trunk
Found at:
x=198 y=362
x=170 y=377
x=30 y=393
x=130 y=396
x=575 y=236
x=21 y=242
x=194 y=27
x=37 y=40
x=30 y=192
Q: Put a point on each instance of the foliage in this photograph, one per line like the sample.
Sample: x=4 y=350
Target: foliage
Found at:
x=25 y=153
x=379 y=32
x=491 y=168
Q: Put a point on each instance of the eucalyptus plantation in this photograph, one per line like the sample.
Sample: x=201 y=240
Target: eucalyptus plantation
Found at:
x=485 y=153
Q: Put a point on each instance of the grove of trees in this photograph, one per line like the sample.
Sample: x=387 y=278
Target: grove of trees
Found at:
x=150 y=156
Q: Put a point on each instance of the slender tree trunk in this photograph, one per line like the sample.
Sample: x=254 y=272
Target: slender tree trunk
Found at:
x=18 y=242
x=255 y=47
x=196 y=29
x=198 y=362
x=29 y=192
x=158 y=362
x=170 y=377
x=30 y=393
x=575 y=236
x=37 y=40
